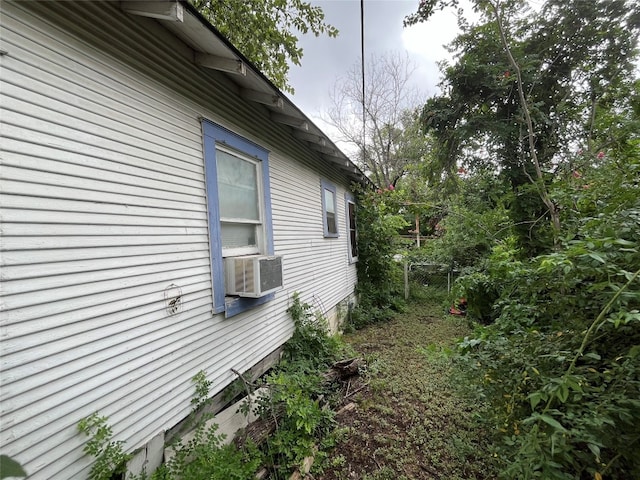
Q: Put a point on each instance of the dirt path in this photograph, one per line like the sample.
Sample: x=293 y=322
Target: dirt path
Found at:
x=408 y=422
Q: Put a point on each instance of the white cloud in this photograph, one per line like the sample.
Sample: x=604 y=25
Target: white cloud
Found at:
x=426 y=41
x=325 y=59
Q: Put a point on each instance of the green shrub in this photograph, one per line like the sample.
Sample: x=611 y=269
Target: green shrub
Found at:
x=310 y=347
x=295 y=388
x=380 y=279
x=560 y=364
x=205 y=456
x=110 y=457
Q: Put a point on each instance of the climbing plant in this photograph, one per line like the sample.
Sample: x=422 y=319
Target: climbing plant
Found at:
x=379 y=274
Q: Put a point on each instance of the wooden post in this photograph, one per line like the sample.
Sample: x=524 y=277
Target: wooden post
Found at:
x=417 y=230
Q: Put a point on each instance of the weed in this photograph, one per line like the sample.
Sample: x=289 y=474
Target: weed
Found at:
x=294 y=391
x=310 y=347
x=205 y=455
x=295 y=388
x=110 y=457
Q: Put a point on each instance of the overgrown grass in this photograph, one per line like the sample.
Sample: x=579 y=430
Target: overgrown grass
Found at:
x=411 y=422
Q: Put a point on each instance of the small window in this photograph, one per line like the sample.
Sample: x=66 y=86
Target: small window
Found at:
x=351 y=228
x=329 y=210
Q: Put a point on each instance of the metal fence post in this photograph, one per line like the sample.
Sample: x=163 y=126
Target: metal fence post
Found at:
x=406 y=280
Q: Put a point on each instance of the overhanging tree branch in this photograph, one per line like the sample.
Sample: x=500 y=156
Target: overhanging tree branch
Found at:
x=539 y=181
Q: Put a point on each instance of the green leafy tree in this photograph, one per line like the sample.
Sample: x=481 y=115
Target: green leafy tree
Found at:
x=474 y=220
x=265 y=31
x=524 y=87
x=560 y=365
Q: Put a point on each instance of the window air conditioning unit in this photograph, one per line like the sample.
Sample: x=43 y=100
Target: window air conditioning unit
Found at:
x=253 y=275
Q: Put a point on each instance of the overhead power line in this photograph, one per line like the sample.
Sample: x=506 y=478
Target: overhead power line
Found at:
x=364 y=118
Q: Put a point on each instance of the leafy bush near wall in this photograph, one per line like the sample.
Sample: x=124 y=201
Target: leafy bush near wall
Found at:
x=110 y=457
x=380 y=287
x=310 y=347
x=294 y=387
x=204 y=456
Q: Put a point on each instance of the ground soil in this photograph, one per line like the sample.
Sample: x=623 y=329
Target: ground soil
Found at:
x=408 y=421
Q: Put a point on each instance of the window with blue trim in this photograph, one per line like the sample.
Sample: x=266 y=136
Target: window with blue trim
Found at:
x=329 y=209
x=239 y=206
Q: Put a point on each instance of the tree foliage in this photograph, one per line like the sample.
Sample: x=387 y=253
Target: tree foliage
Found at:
x=571 y=59
x=379 y=275
x=471 y=222
x=560 y=365
x=264 y=31
x=559 y=361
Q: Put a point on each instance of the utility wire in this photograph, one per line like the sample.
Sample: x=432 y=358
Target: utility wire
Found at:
x=364 y=117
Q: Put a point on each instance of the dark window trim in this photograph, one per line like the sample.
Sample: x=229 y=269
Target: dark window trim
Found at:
x=349 y=199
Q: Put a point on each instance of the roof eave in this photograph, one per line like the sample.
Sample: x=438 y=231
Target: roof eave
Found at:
x=212 y=50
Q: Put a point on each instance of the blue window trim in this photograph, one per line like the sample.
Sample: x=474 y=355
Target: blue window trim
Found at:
x=348 y=198
x=332 y=188
x=212 y=134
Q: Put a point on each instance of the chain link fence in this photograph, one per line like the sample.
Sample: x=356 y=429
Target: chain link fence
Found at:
x=433 y=276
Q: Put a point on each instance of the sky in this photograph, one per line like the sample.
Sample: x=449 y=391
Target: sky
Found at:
x=326 y=59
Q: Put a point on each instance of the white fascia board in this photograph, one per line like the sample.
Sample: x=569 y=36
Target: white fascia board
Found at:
x=223 y=64
x=296 y=122
x=344 y=162
x=261 y=97
x=163 y=10
x=310 y=137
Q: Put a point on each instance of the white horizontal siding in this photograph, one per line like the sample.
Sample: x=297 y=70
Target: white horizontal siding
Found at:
x=103 y=207
x=315 y=266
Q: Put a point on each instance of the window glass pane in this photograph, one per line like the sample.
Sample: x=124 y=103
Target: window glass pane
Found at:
x=329 y=201
x=238 y=235
x=330 y=211
x=331 y=223
x=237 y=187
x=354 y=244
x=353 y=238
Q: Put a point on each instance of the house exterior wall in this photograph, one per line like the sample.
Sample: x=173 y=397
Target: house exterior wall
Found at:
x=103 y=208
